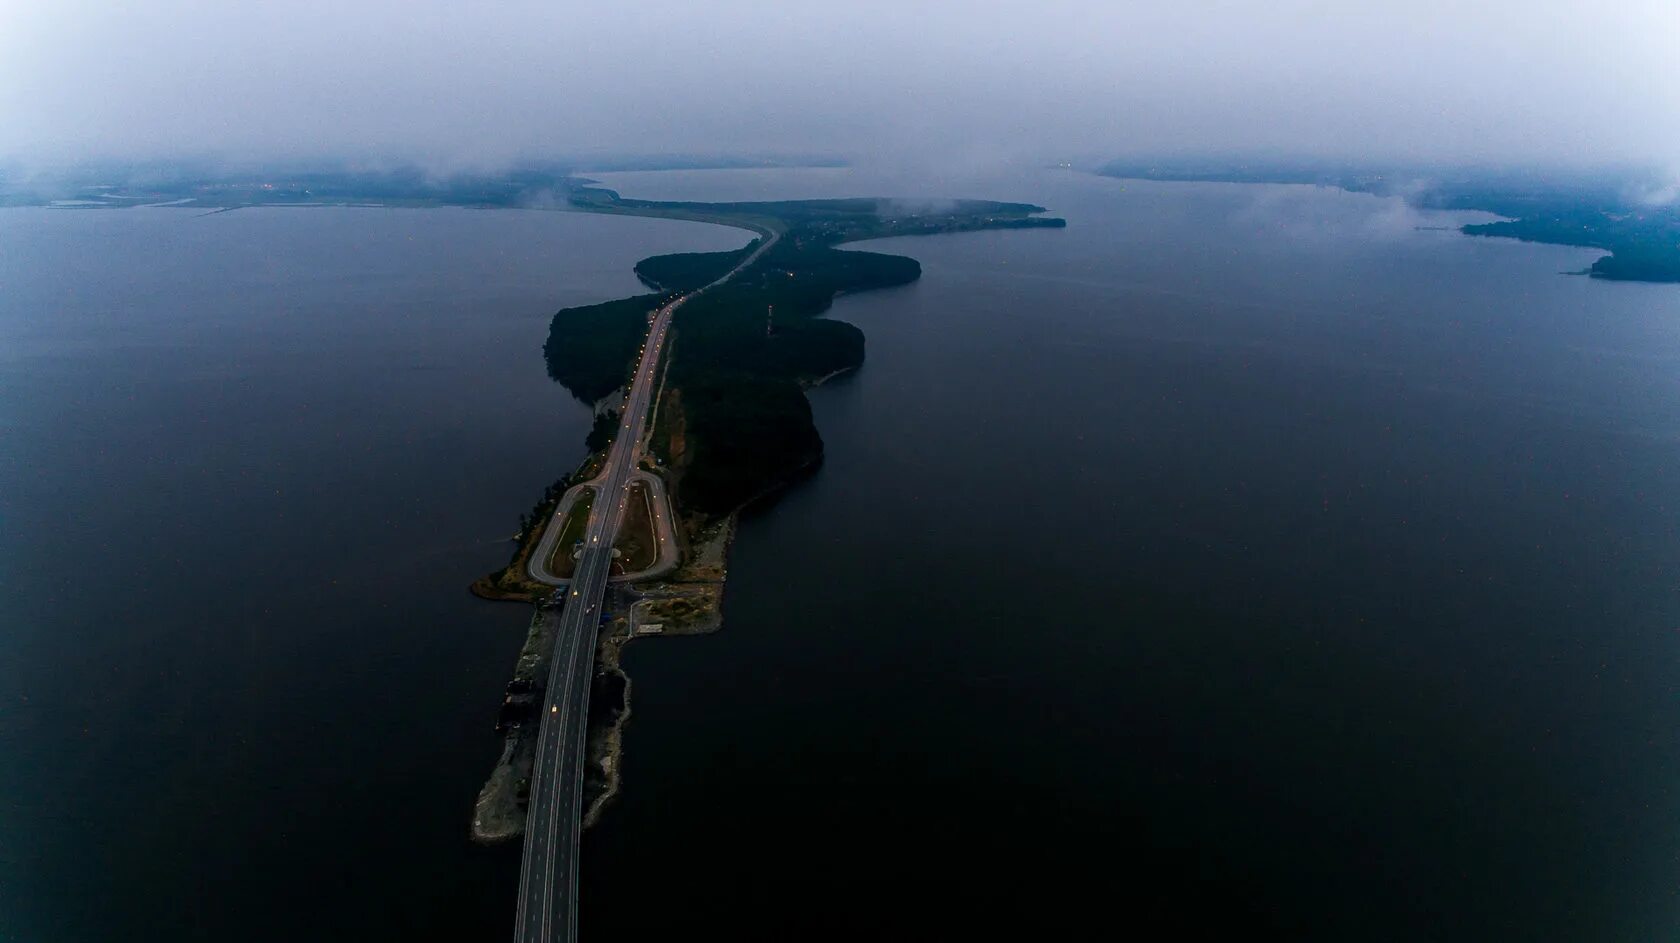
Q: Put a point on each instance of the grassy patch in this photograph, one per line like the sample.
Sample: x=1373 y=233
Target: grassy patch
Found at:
x=571 y=531
x=638 y=542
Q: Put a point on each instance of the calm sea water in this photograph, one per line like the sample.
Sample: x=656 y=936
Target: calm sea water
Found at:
x=248 y=464
x=1239 y=560
x=1243 y=559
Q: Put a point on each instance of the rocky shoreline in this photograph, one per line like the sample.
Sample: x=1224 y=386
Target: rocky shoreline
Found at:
x=687 y=602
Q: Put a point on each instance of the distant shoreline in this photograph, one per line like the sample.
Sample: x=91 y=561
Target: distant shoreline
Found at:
x=1642 y=242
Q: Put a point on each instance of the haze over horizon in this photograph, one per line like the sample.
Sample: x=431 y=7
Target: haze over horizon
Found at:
x=875 y=468
x=938 y=85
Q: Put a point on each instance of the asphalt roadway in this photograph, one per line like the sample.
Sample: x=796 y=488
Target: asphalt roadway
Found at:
x=548 y=879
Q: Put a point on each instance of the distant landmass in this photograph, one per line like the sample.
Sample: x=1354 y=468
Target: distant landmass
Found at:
x=1604 y=211
x=543 y=184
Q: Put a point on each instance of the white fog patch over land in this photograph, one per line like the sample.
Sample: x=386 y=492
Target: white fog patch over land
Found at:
x=953 y=86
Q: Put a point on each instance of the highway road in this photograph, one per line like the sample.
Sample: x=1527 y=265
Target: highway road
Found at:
x=548 y=879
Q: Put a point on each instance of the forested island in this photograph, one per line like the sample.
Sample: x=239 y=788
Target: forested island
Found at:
x=1622 y=214
x=733 y=422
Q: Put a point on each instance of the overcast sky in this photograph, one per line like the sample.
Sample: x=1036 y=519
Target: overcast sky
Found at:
x=460 y=84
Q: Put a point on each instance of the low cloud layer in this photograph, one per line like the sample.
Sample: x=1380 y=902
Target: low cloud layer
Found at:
x=953 y=85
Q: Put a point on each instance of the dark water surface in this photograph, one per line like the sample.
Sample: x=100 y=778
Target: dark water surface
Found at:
x=1239 y=558
x=248 y=464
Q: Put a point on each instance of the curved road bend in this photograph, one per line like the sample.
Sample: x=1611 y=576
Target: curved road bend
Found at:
x=537 y=564
x=548 y=878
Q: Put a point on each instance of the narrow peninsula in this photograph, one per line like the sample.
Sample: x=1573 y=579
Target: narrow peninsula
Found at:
x=720 y=417
x=730 y=425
